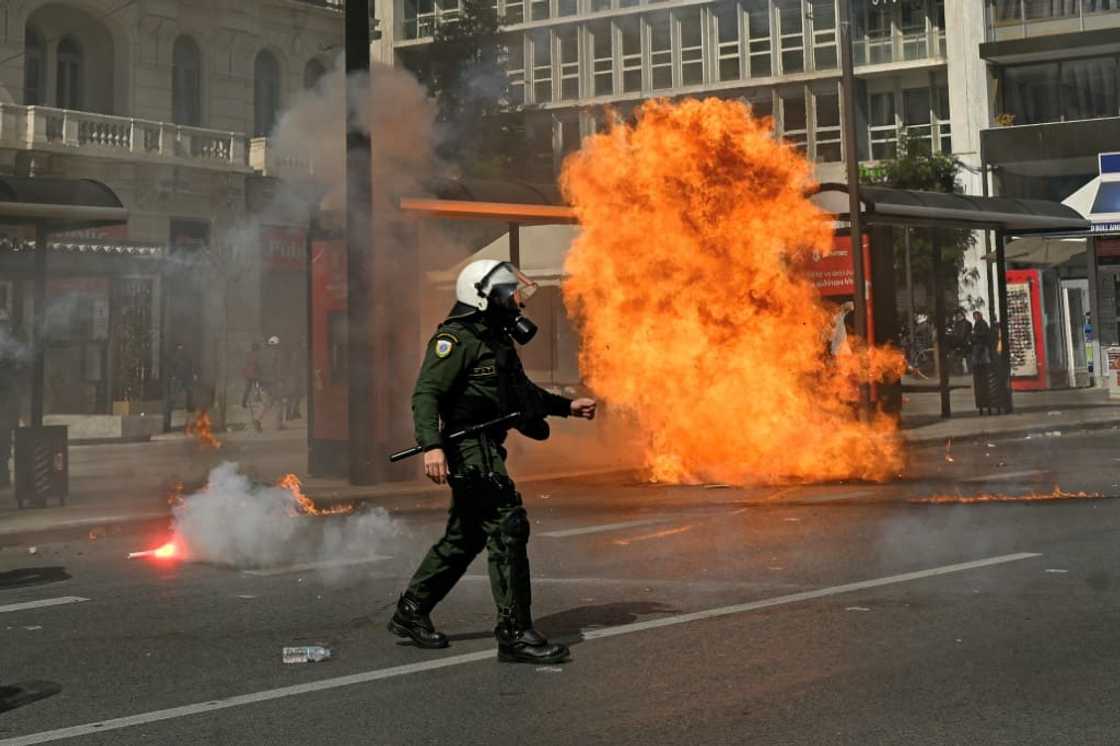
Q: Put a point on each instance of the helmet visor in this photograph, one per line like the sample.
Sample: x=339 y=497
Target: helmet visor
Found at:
x=507 y=283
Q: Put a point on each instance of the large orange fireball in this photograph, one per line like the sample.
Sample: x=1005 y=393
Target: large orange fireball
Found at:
x=694 y=315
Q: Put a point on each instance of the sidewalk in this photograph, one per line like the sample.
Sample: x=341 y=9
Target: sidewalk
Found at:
x=119 y=485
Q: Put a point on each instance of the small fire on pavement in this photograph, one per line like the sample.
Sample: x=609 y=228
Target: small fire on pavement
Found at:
x=1057 y=494
x=291 y=483
x=170 y=550
x=202 y=429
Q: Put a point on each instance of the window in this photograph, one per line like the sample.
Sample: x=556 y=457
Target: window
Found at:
x=1046 y=9
x=914 y=41
x=941 y=111
x=266 y=93
x=34 y=69
x=761 y=103
x=692 y=47
x=1102 y=6
x=758 y=44
x=514 y=12
x=540 y=9
x=876 y=45
x=600 y=5
x=795 y=122
x=790 y=35
x=1004 y=11
x=916 y=117
x=567 y=40
x=313 y=73
x=419 y=18
x=1030 y=93
x=728 y=53
x=69 y=74
x=1089 y=88
x=602 y=61
x=630 y=27
x=826 y=107
x=567 y=7
x=570 y=138
x=515 y=68
x=882 y=128
x=824 y=34
x=660 y=50
x=186 y=82
x=542 y=67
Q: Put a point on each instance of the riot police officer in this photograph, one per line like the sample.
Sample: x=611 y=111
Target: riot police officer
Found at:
x=471 y=374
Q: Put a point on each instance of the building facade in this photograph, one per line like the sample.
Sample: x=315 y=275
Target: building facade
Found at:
x=168 y=103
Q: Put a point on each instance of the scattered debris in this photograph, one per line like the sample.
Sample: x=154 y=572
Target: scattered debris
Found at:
x=1054 y=569
x=960 y=639
x=775 y=567
x=545 y=497
x=793 y=520
x=857 y=608
x=1053 y=433
x=247 y=596
x=306 y=654
x=1054 y=413
x=33 y=550
x=550 y=669
x=33 y=627
x=991 y=445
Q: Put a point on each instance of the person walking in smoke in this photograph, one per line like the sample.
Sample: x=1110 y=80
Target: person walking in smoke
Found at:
x=271 y=380
x=251 y=372
x=472 y=374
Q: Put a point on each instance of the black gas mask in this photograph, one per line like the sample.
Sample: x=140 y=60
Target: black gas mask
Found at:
x=507 y=290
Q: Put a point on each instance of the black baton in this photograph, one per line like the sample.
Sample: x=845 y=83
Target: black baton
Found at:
x=457 y=435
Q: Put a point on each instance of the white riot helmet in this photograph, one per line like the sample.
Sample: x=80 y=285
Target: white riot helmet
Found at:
x=501 y=290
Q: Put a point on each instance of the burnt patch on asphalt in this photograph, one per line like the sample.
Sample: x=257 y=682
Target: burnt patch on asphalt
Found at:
x=24 y=693
x=569 y=624
x=29 y=576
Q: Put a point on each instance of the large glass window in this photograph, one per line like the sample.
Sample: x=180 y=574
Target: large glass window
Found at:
x=941 y=104
x=567 y=40
x=692 y=47
x=758 y=44
x=602 y=61
x=540 y=9
x=795 y=120
x=1090 y=88
x=1030 y=93
x=631 y=30
x=1047 y=9
x=882 y=125
x=728 y=53
x=826 y=107
x=917 y=117
x=761 y=103
x=266 y=93
x=660 y=50
x=34 y=69
x=514 y=12
x=542 y=66
x=600 y=5
x=824 y=34
x=567 y=7
x=515 y=68
x=915 y=42
x=791 y=36
x=70 y=73
x=186 y=82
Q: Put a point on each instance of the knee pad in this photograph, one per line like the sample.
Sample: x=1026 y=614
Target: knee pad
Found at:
x=515 y=527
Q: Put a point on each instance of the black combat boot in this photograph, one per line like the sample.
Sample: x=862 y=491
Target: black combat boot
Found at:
x=517 y=644
x=411 y=620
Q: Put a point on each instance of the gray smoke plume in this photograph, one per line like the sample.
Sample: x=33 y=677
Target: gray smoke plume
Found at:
x=236 y=522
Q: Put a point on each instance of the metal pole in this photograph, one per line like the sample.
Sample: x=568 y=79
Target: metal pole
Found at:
x=359 y=264
x=515 y=244
x=1094 y=311
x=1004 y=322
x=851 y=158
x=909 y=290
x=939 y=327
x=39 y=326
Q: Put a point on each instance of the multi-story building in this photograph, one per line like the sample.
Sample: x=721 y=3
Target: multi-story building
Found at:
x=167 y=102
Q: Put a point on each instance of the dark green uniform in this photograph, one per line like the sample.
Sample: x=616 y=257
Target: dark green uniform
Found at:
x=472 y=374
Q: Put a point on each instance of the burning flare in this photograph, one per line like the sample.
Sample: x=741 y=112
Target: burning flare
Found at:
x=695 y=315
x=201 y=428
x=304 y=505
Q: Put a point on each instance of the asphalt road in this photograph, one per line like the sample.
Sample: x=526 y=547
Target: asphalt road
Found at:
x=797 y=614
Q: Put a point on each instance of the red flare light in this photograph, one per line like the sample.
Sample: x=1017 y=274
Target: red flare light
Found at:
x=170 y=550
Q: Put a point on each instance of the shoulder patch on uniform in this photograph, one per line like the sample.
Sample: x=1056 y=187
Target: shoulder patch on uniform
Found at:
x=443 y=346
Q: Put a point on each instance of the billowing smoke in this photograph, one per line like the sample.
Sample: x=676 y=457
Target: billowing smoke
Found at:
x=236 y=522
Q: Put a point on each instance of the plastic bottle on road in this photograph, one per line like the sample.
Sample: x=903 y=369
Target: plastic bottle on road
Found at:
x=306 y=654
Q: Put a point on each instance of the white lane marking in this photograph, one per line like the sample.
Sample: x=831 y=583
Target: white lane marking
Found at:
x=456 y=660
x=307 y=566
x=41 y=603
x=697 y=616
x=1004 y=476
x=603 y=527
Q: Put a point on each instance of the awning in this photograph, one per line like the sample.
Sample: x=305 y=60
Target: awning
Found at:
x=502 y=201
x=1045 y=251
x=63 y=204
x=912 y=207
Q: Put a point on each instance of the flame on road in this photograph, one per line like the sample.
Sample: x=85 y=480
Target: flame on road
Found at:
x=202 y=429
x=695 y=314
x=1057 y=494
x=170 y=550
x=291 y=483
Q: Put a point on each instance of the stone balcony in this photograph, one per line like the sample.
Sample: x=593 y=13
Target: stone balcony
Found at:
x=87 y=134
x=266 y=159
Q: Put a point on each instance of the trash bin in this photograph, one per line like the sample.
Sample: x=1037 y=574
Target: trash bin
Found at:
x=42 y=465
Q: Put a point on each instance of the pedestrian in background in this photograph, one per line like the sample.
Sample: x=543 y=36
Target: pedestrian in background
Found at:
x=272 y=381
x=251 y=372
x=980 y=360
x=294 y=374
x=960 y=340
x=182 y=377
x=13 y=359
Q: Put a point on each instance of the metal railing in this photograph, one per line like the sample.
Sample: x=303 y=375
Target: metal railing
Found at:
x=87 y=133
x=1019 y=19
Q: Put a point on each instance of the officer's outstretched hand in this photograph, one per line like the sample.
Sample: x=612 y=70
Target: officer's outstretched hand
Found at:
x=584 y=408
x=435 y=465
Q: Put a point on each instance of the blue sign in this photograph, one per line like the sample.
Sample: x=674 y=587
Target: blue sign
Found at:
x=1109 y=163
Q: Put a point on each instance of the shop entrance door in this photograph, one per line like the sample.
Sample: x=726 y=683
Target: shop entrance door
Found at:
x=1075 y=304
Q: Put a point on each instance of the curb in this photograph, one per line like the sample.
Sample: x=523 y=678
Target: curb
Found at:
x=939 y=440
